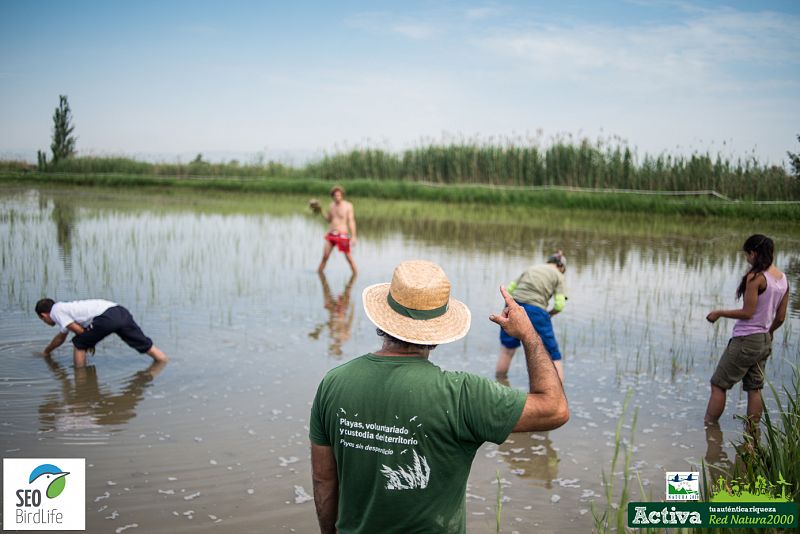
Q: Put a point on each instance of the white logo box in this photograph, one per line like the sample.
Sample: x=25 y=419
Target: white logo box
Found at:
x=26 y=505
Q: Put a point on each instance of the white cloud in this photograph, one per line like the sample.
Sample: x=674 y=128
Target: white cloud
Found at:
x=386 y=23
x=480 y=13
x=703 y=49
x=414 y=31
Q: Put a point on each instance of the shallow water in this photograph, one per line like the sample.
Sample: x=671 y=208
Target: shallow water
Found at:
x=226 y=285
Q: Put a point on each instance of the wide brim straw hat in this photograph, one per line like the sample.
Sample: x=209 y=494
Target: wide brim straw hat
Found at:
x=416 y=306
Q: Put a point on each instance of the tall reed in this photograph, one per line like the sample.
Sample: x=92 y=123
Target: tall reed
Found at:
x=613 y=517
x=571 y=165
x=515 y=161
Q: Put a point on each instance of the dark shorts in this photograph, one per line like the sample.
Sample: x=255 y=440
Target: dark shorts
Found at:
x=115 y=320
x=341 y=241
x=543 y=326
x=744 y=359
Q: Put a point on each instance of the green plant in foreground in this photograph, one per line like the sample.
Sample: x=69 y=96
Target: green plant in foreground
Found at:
x=614 y=516
x=772 y=463
x=499 y=500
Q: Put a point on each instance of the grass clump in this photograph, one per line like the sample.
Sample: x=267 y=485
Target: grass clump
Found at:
x=769 y=461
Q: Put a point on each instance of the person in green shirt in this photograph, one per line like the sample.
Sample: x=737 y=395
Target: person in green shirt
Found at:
x=533 y=290
x=393 y=436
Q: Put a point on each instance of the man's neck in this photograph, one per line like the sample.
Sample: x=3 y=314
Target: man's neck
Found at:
x=392 y=349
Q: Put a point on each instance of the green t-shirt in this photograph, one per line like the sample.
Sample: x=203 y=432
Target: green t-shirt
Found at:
x=404 y=434
x=538 y=284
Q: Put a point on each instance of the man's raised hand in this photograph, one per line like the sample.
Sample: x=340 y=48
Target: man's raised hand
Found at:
x=513 y=318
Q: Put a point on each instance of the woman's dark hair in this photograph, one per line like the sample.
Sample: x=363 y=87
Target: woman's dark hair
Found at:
x=764 y=249
x=400 y=342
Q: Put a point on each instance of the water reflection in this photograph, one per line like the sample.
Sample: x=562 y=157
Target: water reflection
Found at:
x=84 y=403
x=64 y=216
x=531 y=456
x=588 y=240
x=340 y=315
x=717 y=461
x=792 y=271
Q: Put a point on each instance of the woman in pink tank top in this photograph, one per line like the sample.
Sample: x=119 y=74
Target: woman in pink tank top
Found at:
x=766 y=296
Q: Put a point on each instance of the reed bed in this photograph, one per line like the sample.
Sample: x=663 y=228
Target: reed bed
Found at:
x=196 y=168
x=581 y=165
x=515 y=161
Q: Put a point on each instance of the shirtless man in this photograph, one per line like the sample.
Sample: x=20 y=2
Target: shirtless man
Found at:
x=342 y=228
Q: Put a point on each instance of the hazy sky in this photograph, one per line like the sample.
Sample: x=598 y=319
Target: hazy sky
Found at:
x=172 y=78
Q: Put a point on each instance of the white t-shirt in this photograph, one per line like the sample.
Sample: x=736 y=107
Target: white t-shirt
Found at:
x=78 y=311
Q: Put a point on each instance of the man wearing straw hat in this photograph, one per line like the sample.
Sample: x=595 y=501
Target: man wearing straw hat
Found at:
x=393 y=436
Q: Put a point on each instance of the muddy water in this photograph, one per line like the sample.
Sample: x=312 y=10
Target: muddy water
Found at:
x=226 y=286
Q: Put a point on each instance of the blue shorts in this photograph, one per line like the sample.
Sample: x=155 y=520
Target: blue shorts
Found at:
x=543 y=326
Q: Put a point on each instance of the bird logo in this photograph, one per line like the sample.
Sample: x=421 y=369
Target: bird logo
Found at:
x=51 y=475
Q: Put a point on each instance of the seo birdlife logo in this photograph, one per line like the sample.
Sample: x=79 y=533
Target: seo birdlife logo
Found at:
x=54 y=477
x=40 y=494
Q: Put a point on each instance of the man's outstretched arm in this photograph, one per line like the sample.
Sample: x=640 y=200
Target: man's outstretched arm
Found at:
x=326 y=487
x=57 y=341
x=546 y=406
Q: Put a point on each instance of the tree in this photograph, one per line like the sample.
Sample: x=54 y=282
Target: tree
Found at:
x=63 y=145
x=794 y=159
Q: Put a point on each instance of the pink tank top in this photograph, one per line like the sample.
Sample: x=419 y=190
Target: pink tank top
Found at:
x=766 y=307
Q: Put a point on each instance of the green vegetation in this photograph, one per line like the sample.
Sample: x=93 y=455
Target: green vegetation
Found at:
x=499 y=504
x=63 y=144
x=572 y=175
x=764 y=467
x=775 y=461
x=794 y=161
x=614 y=516
x=408 y=190
x=196 y=168
x=582 y=165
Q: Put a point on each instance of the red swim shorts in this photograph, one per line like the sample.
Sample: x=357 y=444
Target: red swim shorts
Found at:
x=341 y=241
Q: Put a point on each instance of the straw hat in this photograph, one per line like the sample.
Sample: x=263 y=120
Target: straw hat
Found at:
x=416 y=307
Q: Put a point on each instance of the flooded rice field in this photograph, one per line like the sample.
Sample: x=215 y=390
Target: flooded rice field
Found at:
x=227 y=286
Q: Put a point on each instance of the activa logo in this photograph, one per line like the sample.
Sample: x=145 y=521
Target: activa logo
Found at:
x=41 y=495
x=648 y=516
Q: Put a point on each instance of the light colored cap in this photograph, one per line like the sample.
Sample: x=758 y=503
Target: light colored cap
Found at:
x=416 y=306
